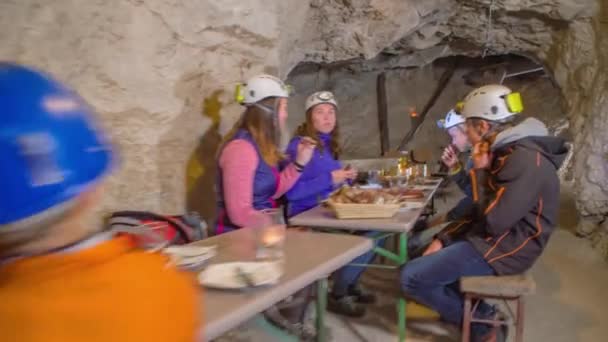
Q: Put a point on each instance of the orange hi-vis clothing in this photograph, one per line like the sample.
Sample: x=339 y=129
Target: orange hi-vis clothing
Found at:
x=111 y=292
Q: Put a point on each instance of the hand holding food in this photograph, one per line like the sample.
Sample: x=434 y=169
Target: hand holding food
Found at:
x=306 y=148
x=482 y=155
x=450 y=156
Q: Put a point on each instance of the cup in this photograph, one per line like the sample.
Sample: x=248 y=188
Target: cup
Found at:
x=270 y=236
x=373 y=177
x=425 y=170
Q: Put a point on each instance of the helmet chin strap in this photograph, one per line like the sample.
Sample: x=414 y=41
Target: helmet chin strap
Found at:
x=266 y=108
x=275 y=118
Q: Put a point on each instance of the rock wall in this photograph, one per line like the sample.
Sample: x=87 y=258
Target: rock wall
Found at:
x=161 y=72
x=570 y=38
x=410 y=88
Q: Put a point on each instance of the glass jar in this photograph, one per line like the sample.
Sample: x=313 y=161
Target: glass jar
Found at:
x=403 y=163
x=270 y=236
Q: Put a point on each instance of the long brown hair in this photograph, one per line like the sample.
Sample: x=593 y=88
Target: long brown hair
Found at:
x=307 y=129
x=263 y=129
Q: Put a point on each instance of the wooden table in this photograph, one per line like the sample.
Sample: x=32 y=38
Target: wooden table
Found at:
x=310 y=257
x=403 y=221
x=400 y=224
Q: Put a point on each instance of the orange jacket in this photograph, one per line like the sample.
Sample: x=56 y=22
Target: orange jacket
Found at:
x=110 y=292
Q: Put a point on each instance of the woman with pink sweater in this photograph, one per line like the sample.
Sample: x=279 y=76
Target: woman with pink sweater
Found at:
x=252 y=174
x=249 y=178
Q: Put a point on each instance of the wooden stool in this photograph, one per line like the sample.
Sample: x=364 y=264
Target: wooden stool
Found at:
x=505 y=288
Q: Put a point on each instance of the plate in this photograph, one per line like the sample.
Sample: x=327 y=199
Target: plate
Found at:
x=227 y=275
x=370 y=186
x=189 y=251
x=189 y=256
x=424 y=187
x=412 y=205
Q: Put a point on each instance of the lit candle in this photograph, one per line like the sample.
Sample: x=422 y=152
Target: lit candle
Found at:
x=273 y=235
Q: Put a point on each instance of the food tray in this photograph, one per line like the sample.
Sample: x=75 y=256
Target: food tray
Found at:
x=363 y=211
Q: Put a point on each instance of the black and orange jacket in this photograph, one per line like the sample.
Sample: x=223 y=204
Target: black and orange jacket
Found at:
x=515 y=201
x=462 y=179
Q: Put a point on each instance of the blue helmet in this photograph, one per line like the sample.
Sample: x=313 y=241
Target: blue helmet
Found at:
x=50 y=147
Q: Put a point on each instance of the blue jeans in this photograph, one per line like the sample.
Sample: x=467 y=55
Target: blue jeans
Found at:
x=348 y=276
x=432 y=280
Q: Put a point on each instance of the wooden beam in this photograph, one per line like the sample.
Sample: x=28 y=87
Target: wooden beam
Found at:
x=382 y=113
x=443 y=82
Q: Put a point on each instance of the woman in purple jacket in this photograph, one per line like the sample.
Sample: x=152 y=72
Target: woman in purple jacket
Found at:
x=320 y=177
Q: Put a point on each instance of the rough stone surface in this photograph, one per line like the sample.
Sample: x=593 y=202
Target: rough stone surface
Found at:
x=409 y=89
x=149 y=67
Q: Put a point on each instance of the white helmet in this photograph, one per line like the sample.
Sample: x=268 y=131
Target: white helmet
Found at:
x=321 y=97
x=491 y=102
x=452 y=119
x=259 y=88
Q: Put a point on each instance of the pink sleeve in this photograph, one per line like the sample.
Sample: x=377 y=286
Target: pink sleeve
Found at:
x=238 y=162
x=289 y=176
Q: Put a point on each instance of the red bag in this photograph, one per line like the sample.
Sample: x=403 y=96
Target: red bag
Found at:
x=151 y=230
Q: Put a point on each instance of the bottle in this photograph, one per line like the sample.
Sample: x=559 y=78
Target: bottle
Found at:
x=403 y=162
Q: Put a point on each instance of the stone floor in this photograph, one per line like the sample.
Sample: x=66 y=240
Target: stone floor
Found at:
x=570 y=304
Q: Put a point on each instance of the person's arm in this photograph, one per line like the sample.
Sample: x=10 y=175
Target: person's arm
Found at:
x=453 y=231
x=513 y=195
x=460 y=176
x=287 y=178
x=461 y=210
x=309 y=183
x=238 y=162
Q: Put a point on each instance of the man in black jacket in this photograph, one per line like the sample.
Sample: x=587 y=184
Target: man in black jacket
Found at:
x=454 y=126
x=515 y=192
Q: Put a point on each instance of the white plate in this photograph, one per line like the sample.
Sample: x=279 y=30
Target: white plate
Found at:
x=424 y=187
x=189 y=251
x=370 y=186
x=189 y=256
x=226 y=275
x=407 y=205
x=191 y=261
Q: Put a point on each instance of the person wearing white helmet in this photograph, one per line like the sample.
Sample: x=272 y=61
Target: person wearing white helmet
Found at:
x=249 y=159
x=63 y=278
x=515 y=192
x=454 y=125
x=252 y=171
x=322 y=176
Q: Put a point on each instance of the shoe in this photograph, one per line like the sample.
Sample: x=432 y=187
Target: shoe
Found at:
x=345 y=306
x=303 y=332
x=361 y=295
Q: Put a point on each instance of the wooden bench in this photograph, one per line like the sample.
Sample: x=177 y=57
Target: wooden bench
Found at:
x=505 y=288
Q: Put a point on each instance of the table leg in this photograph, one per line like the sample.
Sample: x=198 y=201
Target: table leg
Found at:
x=321 y=305
x=398 y=258
x=402 y=304
x=402 y=249
x=401 y=317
